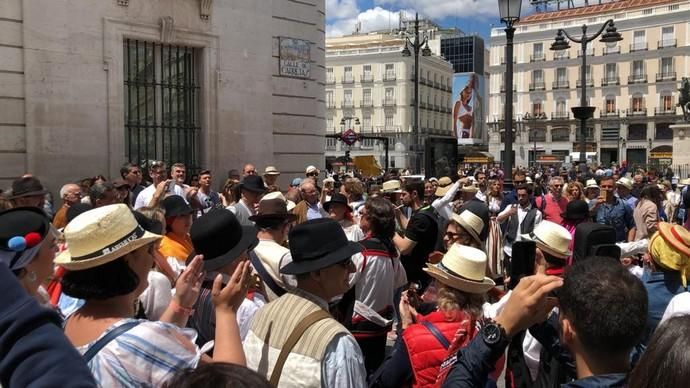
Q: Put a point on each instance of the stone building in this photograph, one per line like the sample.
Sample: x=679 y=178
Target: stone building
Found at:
x=87 y=85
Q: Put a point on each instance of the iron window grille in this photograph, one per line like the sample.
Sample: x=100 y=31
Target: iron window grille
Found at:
x=161 y=98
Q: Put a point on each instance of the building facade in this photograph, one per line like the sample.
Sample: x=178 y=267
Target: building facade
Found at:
x=369 y=81
x=633 y=84
x=87 y=85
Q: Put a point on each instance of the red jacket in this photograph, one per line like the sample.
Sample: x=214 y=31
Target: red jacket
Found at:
x=425 y=351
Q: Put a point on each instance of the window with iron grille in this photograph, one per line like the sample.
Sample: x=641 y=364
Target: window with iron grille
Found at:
x=161 y=100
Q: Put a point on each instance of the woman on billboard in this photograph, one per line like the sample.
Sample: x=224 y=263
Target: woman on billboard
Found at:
x=463 y=110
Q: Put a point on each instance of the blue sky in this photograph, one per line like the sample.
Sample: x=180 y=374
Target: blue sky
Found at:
x=471 y=16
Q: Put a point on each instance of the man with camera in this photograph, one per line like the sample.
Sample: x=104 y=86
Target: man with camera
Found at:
x=611 y=210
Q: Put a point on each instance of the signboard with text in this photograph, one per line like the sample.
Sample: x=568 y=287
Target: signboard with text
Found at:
x=295 y=58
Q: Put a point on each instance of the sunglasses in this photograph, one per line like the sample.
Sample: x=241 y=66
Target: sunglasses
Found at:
x=313 y=174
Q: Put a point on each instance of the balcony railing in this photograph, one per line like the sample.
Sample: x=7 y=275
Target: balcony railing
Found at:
x=330 y=80
x=503 y=88
x=503 y=60
x=668 y=76
x=590 y=52
x=637 y=79
x=538 y=85
x=560 y=115
x=589 y=82
x=537 y=57
x=348 y=79
x=636 y=112
x=666 y=43
x=561 y=55
x=366 y=78
x=366 y=104
x=389 y=77
x=330 y=104
x=437 y=85
x=423 y=105
x=612 y=50
x=347 y=105
x=639 y=46
x=562 y=84
x=664 y=111
x=611 y=80
x=388 y=102
x=613 y=113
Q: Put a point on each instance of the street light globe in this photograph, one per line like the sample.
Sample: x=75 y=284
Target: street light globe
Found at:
x=509 y=10
x=611 y=45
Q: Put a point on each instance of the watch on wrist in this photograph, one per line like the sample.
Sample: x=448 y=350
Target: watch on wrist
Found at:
x=494 y=335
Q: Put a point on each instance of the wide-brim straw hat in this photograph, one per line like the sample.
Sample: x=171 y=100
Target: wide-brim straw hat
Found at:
x=625 y=182
x=471 y=222
x=471 y=188
x=444 y=184
x=670 y=248
x=684 y=182
x=101 y=235
x=391 y=186
x=591 y=184
x=551 y=238
x=462 y=268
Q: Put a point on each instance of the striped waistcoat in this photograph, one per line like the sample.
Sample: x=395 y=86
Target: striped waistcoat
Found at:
x=270 y=329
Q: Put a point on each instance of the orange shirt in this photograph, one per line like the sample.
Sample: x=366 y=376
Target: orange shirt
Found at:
x=174 y=246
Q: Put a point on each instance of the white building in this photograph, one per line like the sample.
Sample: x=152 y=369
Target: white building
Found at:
x=368 y=78
x=86 y=85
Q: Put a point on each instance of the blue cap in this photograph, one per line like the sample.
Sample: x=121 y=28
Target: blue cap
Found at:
x=296 y=182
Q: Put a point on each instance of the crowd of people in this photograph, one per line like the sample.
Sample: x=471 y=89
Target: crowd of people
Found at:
x=572 y=277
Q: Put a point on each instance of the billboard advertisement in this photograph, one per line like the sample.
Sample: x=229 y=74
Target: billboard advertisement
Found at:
x=469 y=105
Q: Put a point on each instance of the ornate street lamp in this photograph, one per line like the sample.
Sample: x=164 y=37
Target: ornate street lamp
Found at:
x=509 y=11
x=584 y=112
x=420 y=44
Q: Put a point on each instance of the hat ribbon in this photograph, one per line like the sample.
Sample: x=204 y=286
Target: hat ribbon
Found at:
x=451 y=272
x=679 y=238
x=136 y=234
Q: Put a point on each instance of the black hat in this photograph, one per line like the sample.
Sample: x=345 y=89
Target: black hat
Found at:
x=175 y=205
x=481 y=210
x=21 y=228
x=253 y=183
x=76 y=209
x=576 y=210
x=219 y=236
x=336 y=198
x=317 y=244
x=27 y=187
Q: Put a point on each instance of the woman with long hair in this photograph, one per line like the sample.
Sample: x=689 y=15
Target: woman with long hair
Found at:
x=229 y=193
x=494 y=243
x=422 y=346
x=575 y=191
x=494 y=196
x=646 y=212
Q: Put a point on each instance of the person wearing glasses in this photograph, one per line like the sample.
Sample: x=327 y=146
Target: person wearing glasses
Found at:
x=553 y=204
x=522 y=218
x=519 y=178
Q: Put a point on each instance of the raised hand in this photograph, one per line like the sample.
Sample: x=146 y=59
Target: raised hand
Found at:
x=228 y=298
x=188 y=285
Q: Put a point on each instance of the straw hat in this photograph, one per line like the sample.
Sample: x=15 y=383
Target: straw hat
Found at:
x=444 y=185
x=471 y=188
x=100 y=236
x=271 y=170
x=625 y=182
x=684 y=182
x=528 y=180
x=278 y=195
x=551 y=238
x=391 y=186
x=462 y=268
x=471 y=222
x=670 y=248
x=591 y=184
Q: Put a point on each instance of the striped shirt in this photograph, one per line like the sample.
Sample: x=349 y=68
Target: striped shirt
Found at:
x=145 y=356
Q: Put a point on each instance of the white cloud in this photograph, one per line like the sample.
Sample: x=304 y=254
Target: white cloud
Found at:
x=372 y=19
x=441 y=9
x=341 y=9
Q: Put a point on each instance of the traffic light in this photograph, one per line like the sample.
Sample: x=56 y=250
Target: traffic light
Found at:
x=347 y=155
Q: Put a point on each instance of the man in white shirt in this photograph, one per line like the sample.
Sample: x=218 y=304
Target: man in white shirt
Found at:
x=522 y=218
x=162 y=187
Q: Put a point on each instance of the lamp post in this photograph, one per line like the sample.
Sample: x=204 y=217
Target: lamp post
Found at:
x=649 y=152
x=509 y=11
x=346 y=124
x=621 y=141
x=584 y=112
x=416 y=46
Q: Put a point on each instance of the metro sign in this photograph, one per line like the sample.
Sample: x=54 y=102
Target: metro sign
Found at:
x=349 y=137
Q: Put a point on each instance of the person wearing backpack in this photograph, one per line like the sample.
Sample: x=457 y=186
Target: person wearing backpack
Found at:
x=425 y=340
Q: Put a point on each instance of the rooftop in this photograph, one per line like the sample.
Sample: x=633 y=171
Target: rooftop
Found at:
x=591 y=10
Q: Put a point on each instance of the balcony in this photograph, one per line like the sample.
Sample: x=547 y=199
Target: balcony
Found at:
x=330 y=80
x=636 y=112
x=611 y=50
x=422 y=81
x=437 y=85
x=387 y=77
x=437 y=108
x=347 y=79
x=423 y=105
x=589 y=82
x=610 y=81
x=388 y=102
x=503 y=88
x=347 y=105
x=590 y=52
x=560 y=115
x=537 y=57
x=639 y=46
x=330 y=105
x=667 y=76
x=665 y=43
x=538 y=85
x=637 y=79
x=561 y=55
x=503 y=60
x=366 y=78
x=562 y=84
x=366 y=103
x=665 y=111
x=607 y=114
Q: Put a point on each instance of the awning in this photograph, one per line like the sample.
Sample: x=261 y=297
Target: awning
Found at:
x=588 y=155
